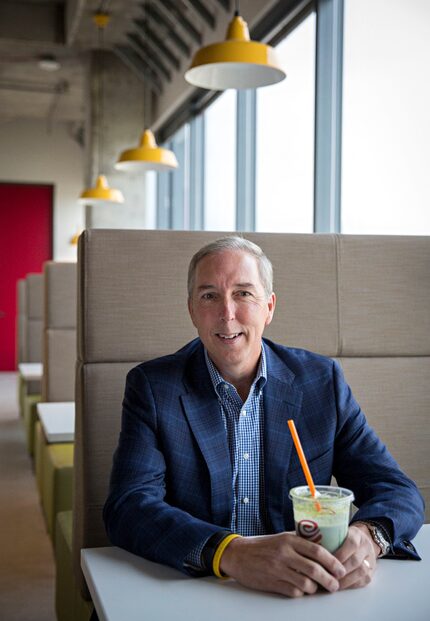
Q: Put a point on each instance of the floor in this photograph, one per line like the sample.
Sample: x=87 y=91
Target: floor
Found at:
x=27 y=569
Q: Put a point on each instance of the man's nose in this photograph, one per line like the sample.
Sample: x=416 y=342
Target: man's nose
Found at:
x=227 y=310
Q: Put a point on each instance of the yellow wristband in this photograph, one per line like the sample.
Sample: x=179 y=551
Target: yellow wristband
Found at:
x=218 y=554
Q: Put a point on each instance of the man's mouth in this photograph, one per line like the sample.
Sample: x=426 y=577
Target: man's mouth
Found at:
x=228 y=337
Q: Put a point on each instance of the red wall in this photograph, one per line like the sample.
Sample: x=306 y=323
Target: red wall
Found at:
x=25 y=244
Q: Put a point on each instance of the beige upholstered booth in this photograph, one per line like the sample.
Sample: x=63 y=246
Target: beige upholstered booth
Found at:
x=34 y=299
x=54 y=462
x=362 y=299
x=33 y=351
x=59 y=331
x=21 y=330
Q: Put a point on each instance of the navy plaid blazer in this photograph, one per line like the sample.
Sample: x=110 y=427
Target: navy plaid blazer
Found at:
x=171 y=481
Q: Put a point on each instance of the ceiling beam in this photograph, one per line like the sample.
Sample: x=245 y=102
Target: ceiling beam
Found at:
x=147 y=33
x=42 y=22
x=225 y=5
x=74 y=11
x=157 y=18
x=201 y=9
x=60 y=87
x=138 y=66
x=173 y=9
x=147 y=55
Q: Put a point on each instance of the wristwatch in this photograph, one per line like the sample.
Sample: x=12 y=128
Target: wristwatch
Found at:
x=378 y=535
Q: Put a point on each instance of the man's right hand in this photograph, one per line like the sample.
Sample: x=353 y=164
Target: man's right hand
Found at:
x=282 y=563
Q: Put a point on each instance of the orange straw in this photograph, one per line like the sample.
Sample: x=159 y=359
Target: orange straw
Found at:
x=303 y=462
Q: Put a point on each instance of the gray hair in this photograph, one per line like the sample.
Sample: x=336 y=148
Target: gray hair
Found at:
x=235 y=242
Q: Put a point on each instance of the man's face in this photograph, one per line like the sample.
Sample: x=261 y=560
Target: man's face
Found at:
x=230 y=310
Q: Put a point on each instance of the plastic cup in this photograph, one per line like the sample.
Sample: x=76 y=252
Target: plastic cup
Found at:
x=326 y=521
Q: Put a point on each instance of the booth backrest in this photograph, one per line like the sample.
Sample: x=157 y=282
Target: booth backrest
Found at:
x=33 y=338
x=362 y=299
x=21 y=319
x=59 y=332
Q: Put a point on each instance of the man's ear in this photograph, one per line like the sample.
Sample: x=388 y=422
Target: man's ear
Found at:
x=271 y=303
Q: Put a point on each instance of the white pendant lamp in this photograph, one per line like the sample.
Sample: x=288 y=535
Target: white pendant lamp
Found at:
x=100 y=192
x=236 y=62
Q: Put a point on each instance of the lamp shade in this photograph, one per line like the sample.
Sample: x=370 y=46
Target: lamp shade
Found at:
x=236 y=63
x=101 y=193
x=147 y=156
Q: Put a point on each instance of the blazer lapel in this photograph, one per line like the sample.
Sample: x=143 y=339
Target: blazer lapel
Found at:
x=203 y=412
x=282 y=401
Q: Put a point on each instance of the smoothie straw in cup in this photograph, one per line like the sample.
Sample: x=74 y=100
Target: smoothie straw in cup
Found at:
x=303 y=462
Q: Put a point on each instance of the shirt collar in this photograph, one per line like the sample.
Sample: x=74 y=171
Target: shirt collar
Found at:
x=260 y=378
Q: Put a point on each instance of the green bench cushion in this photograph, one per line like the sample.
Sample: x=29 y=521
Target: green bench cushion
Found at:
x=22 y=391
x=39 y=441
x=30 y=418
x=69 y=604
x=57 y=475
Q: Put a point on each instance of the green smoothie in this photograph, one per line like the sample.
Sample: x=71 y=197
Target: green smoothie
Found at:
x=323 y=520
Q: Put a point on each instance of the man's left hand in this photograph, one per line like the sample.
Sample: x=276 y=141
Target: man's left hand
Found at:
x=358 y=555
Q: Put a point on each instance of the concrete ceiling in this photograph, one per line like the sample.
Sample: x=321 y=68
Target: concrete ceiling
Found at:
x=154 y=38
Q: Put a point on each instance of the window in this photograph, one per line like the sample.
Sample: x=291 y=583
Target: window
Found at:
x=285 y=138
x=220 y=164
x=180 y=180
x=173 y=211
x=386 y=127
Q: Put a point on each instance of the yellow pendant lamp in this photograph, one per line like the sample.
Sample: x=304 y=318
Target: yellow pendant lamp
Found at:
x=236 y=63
x=75 y=238
x=100 y=192
x=147 y=156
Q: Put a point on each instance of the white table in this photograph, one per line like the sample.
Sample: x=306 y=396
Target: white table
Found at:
x=31 y=370
x=125 y=587
x=58 y=421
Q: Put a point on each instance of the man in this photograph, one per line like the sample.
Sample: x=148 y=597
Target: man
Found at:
x=205 y=449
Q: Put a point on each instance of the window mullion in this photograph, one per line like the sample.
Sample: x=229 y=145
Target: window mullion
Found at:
x=197 y=168
x=328 y=115
x=245 y=162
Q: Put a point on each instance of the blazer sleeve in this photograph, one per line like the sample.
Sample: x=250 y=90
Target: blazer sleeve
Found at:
x=363 y=463
x=136 y=515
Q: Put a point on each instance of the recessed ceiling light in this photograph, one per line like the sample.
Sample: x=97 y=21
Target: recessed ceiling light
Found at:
x=47 y=62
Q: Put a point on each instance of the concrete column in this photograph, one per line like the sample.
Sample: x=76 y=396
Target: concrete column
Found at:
x=120 y=124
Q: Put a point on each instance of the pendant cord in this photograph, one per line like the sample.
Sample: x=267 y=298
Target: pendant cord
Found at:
x=101 y=98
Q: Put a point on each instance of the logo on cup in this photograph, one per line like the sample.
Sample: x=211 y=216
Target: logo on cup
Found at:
x=308 y=529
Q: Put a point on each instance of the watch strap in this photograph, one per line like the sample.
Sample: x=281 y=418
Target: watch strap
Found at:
x=210 y=548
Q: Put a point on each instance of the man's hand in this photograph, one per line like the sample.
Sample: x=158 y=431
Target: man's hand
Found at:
x=358 y=555
x=282 y=563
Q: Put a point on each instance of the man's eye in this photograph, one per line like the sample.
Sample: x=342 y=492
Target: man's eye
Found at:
x=207 y=296
x=244 y=294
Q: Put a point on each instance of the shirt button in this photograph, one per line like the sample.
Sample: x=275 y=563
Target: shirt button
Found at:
x=246 y=456
x=245 y=500
x=243 y=412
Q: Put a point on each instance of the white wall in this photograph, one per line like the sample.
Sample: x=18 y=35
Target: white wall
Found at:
x=30 y=153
